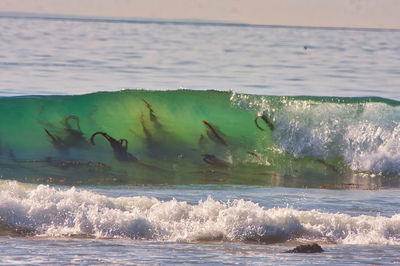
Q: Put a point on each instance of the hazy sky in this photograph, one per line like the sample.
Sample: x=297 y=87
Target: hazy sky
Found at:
x=336 y=13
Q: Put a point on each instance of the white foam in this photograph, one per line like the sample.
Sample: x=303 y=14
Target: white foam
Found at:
x=373 y=148
x=365 y=135
x=52 y=212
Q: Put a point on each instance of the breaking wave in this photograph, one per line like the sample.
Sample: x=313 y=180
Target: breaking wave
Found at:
x=182 y=136
x=46 y=211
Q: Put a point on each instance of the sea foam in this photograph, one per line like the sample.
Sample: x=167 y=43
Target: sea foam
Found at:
x=366 y=135
x=52 y=212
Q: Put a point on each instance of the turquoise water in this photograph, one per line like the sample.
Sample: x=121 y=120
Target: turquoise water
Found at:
x=322 y=169
x=200 y=137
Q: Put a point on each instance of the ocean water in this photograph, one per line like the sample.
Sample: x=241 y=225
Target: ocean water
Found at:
x=298 y=142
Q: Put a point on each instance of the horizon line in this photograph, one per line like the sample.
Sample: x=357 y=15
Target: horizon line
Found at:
x=144 y=20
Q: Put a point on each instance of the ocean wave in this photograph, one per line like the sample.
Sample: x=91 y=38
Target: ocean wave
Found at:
x=196 y=137
x=47 y=211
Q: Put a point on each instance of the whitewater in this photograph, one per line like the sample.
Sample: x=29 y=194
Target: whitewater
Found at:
x=53 y=212
x=163 y=142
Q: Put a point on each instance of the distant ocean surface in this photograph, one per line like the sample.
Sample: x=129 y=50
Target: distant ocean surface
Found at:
x=69 y=56
x=298 y=142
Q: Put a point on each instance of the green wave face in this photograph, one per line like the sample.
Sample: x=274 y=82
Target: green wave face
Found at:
x=183 y=137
